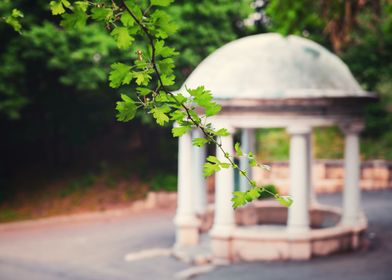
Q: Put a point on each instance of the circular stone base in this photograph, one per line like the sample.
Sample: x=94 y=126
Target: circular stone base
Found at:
x=261 y=234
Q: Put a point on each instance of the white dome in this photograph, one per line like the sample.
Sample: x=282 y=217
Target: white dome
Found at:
x=270 y=66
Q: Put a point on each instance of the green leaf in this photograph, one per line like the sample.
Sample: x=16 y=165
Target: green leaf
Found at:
x=242 y=198
x=127 y=19
x=180 y=130
x=83 y=5
x=210 y=168
x=16 y=13
x=143 y=91
x=225 y=165
x=180 y=98
x=238 y=149
x=142 y=78
x=135 y=9
x=194 y=116
x=162 y=97
x=203 y=98
x=199 y=141
x=126 y=109
x=284 y=200
x=159 y=113
x=14 y=23
x=162 y=3
x=252 y=162
x=120 y=75
x=57 y=7
x=164 y=51
x=197 y=92
x=163 y=24
x=213 y=159
x=75 y=20
x=222 y=132
x=212 y=109
x=253 y=194
x=122 y=36
x=166 y=66
x=100 y=13
x=177 y=115
x=168 y=80
x=239 y=199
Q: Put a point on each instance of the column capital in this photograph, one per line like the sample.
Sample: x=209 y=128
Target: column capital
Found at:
x=299 y=129
x=351 y=127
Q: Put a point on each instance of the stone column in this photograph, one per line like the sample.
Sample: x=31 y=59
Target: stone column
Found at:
x=298 y=216
x=351 y=191
x=311 y=190
x=224 y=221
x=199 y=182
x=187 y=225
x=247 y=145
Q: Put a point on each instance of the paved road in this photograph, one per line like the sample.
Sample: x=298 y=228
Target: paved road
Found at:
x=96 y=250
x=88 y=251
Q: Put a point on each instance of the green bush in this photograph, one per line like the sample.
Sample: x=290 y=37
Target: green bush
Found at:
x=271 y=188
x=79 y=185
x=164 y=182
x=8 y=215
x=274 y=144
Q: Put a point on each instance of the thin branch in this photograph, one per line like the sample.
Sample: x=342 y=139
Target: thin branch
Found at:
x=209 y=136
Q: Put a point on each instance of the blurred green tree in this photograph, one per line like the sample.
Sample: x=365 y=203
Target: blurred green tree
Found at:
x=205 y=25
x=55 y=103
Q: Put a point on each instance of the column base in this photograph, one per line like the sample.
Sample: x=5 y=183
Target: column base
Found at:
x=222 y=249
x=187 y=236
x=187 y=231
x=221 y=244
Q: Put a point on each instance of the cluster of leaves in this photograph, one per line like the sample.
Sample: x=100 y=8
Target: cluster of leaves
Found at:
x=242 y=198
x=152 y=73
x=11 y=15
x=13 y=19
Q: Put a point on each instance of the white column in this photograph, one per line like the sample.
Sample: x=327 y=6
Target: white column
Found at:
x=298 y=216
x=199 y=182
x=311 y=190
x=185 y=220
x=224 y=186
x=352 y=191
x=247 y=145
x=224 y=219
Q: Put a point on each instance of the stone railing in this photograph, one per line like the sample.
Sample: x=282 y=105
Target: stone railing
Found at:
x=328 y=175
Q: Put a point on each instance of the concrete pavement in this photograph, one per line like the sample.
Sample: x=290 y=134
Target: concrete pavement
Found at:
x=97 y=249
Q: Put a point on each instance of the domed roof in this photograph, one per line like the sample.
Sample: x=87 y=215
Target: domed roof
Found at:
x=270 y=66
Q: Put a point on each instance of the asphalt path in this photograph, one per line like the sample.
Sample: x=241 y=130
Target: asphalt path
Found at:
x=97 y=249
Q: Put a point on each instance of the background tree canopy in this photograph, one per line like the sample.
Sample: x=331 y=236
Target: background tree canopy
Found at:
x=57 y=107
x=57 y=110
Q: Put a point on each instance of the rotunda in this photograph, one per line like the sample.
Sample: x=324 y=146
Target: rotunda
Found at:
x=268 y=81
